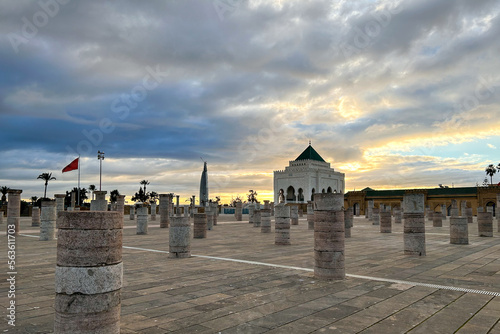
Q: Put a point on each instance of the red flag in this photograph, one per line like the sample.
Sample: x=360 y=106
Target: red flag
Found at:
x=72 y=166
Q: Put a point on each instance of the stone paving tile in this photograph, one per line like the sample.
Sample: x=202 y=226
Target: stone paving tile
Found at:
x=203 y=295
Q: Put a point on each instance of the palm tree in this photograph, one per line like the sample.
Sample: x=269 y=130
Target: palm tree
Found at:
x=153 y=196
x=46 y=177
x=144 y=183
x=92 y=188
x=113 y=196
x=4 y=191
x=490 y=171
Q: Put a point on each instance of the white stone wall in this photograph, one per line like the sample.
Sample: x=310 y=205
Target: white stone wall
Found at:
x=308 y=174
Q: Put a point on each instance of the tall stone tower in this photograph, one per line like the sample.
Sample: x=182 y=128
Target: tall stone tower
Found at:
x=204 y=186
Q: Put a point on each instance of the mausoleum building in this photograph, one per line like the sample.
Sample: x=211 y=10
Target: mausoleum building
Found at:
x=306 y=175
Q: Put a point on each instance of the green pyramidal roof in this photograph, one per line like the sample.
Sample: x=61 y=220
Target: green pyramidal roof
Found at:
x=310 y=154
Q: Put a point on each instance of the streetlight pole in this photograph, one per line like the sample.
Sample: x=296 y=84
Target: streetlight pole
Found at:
x=100 y=157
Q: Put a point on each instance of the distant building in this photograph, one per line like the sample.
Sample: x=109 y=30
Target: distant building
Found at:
x=306 y=175
x=434 y=198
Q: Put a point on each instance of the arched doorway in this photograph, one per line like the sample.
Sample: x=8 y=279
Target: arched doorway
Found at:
x=491 y=204
x=312 y=194
x=323 y=190
x=290 y=194
x=329 y=190
x=355 y=209
x=301 y=195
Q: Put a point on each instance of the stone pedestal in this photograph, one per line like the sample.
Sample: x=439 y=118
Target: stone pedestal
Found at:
x=454 y=212
x=329 y=236
x=142 y=220
x=48 y=219
x=369 y=210
x=257 y=218
x=100 y=203
x=120 y=204
x=468 y=214
x=165 y=200
x=397 y=216
x=282 y=224
x=35 y=216
x=375 y=216
x=385 y=222
x=459 y=231
x=153 y=211
x=60 y=202
x=310 y=216
x=485 y=224
x=294 y=215
x=210 y=218
x=14 y=210
x=132 y=212
x=437 y=219
x=251 y=209
x=179 y=245
x=89 y=272
x=414 y=224
x=238 y=211
x=348 y=221
x=265 y=216
x=200 y=225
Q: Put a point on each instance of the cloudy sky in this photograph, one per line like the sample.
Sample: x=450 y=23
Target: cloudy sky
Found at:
x=392 y=93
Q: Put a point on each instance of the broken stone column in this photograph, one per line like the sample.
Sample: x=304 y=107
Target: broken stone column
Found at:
x=215 y=209
x=267 y=205
x=48 y=219
x=200 y=225
x=100 y=203
x=459 y=231
x=443 y=211
x=454 y=212
x=310 y=216
x=329 y=236
x=265 y=216
x=179 y=245
x=370 y=210
x=142 y=220
x=60 y=202
x=132 y=212
x=294 y=215
x=385 y=222
x=437 y=219
x=348 y=221
x=251 y=209
x=485 y=224
x=14 y=210
x=238 y=211
x=165 y=200
x=89 y=272
x=414 y=224
x=272 y=209
x=463 y=206
x=468 y=214
x=301 y=213
x=210 y=217
x=257 y=218
x=397 y=216
x=429 y=214
x=153 y=211
x=282 y=224
x=73 y=199
x=35 y=217
x=376 y=216
x=120 y=204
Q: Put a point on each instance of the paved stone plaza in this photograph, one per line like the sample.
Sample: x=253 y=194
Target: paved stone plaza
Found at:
x=231 y=285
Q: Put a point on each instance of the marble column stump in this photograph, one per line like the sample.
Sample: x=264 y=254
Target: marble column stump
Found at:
x=282 y=224
x=329 y=236
x=485 y=224
x=265 y=216
x=294 y=215
x=142 y=220
x=179 y=245
x=414 y=224
x=14 y=210
x=35 y=217
x=459 y=231
x=48 y=219
x=200 y=226
x=89 y=272
x=310 y=216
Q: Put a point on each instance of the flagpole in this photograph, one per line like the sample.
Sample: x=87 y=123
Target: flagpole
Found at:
x=78 y=179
